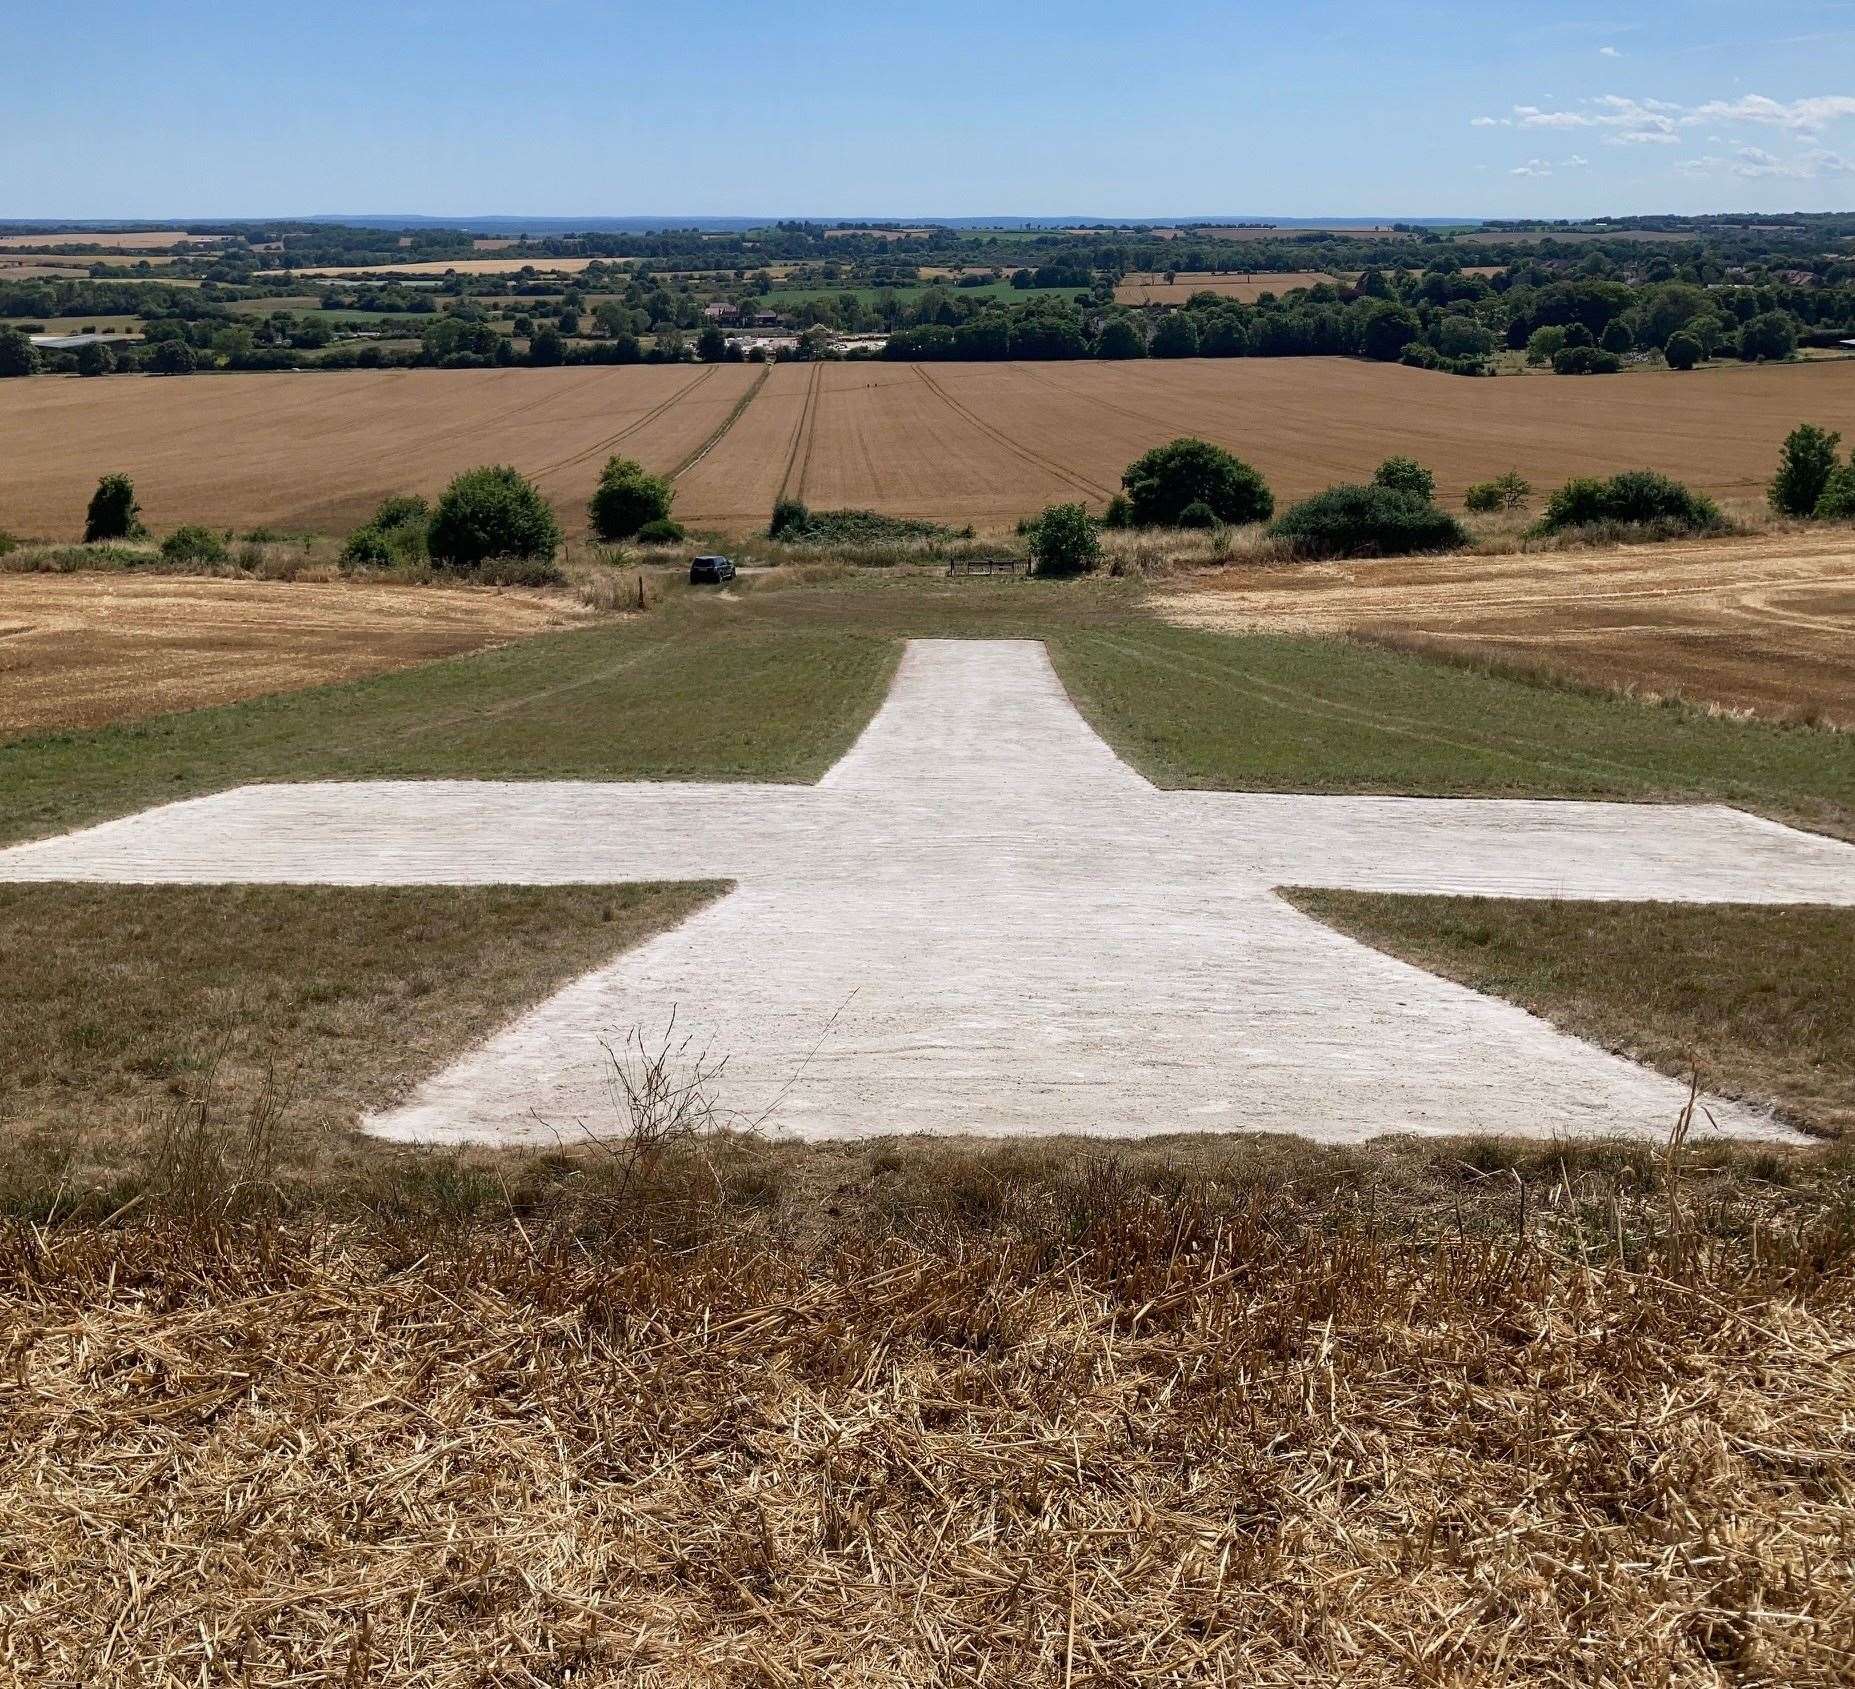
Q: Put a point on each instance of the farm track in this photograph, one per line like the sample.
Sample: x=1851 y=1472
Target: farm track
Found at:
x=801 y=440
x=630 y=428
x=728 y=422
x=1015 y=447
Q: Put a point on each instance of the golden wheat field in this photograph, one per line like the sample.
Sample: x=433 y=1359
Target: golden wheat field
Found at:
x=982 y=443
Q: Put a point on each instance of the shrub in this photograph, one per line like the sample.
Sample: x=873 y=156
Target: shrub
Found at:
x=1065 y=540
x=1504 y=492
x=1617 y=337
x=789 y=516
x=7 y=543
x=660 y=530
x=1636 y=498
x=1372 y=521
x=95 y=359
x=627 y=497
x=1405 y=475
x=1198 y=514
x=193 y=544
x=1120 y=339
x=1544 y=344
x=1683 y=351
x=1805 y=462
x=396 y=533
x=1585 y=360
x=491 y=513
x=113 y=512
x=1119 y=514
x=1175 y=337
x=1162 y=482
x=1837 y=503
x=1772 y=335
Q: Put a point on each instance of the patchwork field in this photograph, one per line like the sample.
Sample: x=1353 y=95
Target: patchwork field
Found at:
x=82 y=650
x=1761 y=624
x=983 y=443
x=150 y=240
x=449 y=266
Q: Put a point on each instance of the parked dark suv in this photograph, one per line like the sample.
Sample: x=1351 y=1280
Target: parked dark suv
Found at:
x=711 y=571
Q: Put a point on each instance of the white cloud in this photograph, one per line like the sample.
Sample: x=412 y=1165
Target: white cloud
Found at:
x=1755 y=163
x=1609 y=53
x=1812 y=113
x=1490 y=123
x=1575 y=162
x=1632 y=122
x=1532 y=167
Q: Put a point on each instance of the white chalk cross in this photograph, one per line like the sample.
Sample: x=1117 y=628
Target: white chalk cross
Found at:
x=982 y=921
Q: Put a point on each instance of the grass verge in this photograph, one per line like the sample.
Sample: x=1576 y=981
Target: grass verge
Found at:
x=1759 y=1000
x=122 y=1005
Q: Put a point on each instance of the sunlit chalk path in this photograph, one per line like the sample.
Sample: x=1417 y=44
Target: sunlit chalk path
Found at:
x=982 y=921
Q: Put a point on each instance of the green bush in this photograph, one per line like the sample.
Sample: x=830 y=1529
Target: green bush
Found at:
x=396 y=533
x=95 y=359
x=113 y=512
x=1162 y=482
x=193 y=544
x=789 y=517
x=660 y=530
x=1198 y=514
x=1805 y=462
x=864 y=527
x=1837 y=502
x=1405 y=475
x=7 y=544
x=1504 y=492
x=1683 y=351
x=627 y=497
x=1585 y=360
x=1065 y=540
x=491 y=513
x=1372 y=521
x=1638 y=498
x=18 y=356
x=1120 y=512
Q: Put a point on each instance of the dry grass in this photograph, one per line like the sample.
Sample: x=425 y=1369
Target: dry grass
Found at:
x=1102 y=1429
x=87 y=649
x=1759 y=999
x=1152 y=288
x=1758 y=623
x=121 y=1003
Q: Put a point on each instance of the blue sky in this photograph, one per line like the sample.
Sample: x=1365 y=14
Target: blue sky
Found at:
x=1327 y=107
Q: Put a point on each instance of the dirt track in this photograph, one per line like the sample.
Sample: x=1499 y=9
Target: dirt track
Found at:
x=1764 y=624
x=85 y=650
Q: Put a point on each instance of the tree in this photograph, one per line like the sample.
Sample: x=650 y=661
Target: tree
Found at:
x=1388 y=330
x=1463 y=337
x=1683 y=351
x=95 y=359
x=113 y=512
x=1065 y=540
x=1545 y=344
x=627 y=497
x=1175 y=337
x=18 y=356
x=547 y=349
x=1769 y=336
x=491 y=513
x=1162 y=482
x=174 y=357
x=1120 y=339
x=711 y=345
x=1617 y=337
x=1405 y=475
x=1805 y=462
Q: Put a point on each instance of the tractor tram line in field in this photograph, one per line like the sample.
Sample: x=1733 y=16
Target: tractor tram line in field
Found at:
x=799 y=457
x=727 y=423
x=630 y=428
x=1093 y=489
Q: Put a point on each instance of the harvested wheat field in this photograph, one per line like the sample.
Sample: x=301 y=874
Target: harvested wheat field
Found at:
x=145 y=240
x=84 y=650
x=983 y=443
x=1763 y=624
x=1147 y=288
x=454 y=266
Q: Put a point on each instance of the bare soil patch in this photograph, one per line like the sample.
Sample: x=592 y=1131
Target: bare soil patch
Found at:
x=85 y=650
x=1762 y=624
